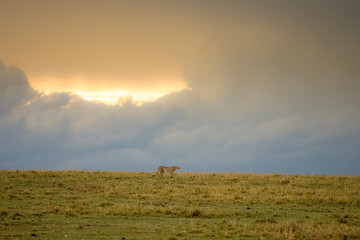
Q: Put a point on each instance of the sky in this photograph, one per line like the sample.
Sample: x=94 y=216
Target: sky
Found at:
x=211 y=86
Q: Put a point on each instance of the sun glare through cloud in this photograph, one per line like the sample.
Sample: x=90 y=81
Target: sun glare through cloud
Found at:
x=107 y=92
x=120 y=97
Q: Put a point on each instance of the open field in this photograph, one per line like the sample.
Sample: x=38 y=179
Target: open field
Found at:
x=124 y=205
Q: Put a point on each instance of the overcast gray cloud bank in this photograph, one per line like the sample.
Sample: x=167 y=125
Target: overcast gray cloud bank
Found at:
x=62 y=131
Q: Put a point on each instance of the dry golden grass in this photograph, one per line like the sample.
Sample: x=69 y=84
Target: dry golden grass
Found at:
x=132 y=205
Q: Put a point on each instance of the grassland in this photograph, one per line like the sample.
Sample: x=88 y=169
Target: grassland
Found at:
x=124 y=205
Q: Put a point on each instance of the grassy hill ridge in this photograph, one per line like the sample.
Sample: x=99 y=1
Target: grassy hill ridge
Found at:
x=132 y=205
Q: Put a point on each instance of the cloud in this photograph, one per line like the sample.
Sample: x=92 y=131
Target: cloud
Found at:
x=14 y=88
x=62 y=131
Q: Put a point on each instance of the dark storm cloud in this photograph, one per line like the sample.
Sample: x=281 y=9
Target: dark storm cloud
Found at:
x=283 y=83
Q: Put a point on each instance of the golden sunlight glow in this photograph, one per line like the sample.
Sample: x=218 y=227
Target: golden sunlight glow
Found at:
x=120 y=97
x=107 y=92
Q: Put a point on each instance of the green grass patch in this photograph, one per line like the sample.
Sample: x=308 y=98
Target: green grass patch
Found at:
x=133 y=205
